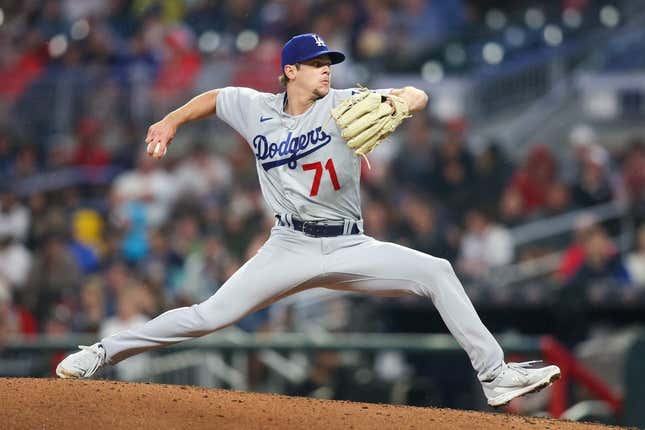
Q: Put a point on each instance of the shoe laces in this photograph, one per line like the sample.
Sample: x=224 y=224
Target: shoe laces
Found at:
x=99 y=351
x=522 y=366
x=91 y=349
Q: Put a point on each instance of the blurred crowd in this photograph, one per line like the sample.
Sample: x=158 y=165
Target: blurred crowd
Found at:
x=95 y=236
x=166 y=234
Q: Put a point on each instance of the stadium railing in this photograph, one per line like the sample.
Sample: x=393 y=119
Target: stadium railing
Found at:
x=194 y=353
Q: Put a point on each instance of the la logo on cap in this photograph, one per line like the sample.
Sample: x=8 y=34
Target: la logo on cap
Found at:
x=318 y=40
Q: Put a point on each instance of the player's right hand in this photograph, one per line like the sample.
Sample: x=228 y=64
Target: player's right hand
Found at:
x=160 y=134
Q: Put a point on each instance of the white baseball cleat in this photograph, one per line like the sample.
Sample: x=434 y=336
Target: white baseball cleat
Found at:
x=82 y=364
x=518 y=379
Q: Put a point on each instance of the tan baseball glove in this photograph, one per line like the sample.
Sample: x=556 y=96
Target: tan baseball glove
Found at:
x=367 y=118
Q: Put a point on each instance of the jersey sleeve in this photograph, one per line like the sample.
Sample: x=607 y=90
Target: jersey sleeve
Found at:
x=233 y=107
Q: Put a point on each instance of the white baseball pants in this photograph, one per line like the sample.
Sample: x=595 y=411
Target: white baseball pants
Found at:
x=290 y=262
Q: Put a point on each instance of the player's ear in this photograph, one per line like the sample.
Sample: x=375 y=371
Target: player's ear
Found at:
x=290 y=71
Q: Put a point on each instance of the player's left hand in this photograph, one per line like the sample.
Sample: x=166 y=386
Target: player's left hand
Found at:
x=159 y=137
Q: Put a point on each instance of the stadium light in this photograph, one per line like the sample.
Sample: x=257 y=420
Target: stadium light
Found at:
x=553 y=35
x=57 y=45
x=609 y=16
x=432 y=71
x=209 y=41
x=534 y=18
x=495 y=19
x=571 y=18
x=447 y=106
x=247 y=40
x=493 y=53
x=80 y=29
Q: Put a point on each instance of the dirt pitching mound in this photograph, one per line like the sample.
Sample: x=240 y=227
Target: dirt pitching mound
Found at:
x=81 y=404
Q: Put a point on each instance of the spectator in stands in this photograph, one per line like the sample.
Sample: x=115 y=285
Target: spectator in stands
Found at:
x=372 y=38
x=424 y=229
x=203 y=271
x=376 y=219
x=149 y=185
x=558 y=200
x=160 y=262
x=86 y=241
x=53 y=277
x=7 y=155
x=26 y=165
x=485 y=245
x=535 y=177
x=492 y=171
x=636 y=260
x=91 y=312
x=117 y=276
x=134 y=224
x=15 y=261
x=46 y=216
x=128 y=314
x=574 y=255
x=593 y=185
x=58 y=322
x=51 y=20
x=633 y=172
x=600 y=268
x=179 y=68
x=415 y=162
x=14 y=216
x=425 y=24
x=14 y=318
x=8 y=323
x=88 y=151
x=186 y=234
x=202 y=173
x=511 y=210
x=204 y=15
x=22 y=62
x=454 y=180
x=583 y=147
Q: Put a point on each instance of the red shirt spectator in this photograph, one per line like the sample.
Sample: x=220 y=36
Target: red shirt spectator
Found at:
x=89 y=152
x=534 y=179
x=634 y=171
x=179 y=71
x=20 y=71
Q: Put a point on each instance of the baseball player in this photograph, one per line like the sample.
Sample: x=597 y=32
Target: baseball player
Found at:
x=309 y=173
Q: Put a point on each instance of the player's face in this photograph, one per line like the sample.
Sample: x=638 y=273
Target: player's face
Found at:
x=315 y=74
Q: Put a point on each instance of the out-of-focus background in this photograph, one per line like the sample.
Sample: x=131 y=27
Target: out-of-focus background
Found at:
x=527 y=172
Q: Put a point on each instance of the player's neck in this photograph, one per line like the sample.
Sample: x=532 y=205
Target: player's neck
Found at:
x=297 y=102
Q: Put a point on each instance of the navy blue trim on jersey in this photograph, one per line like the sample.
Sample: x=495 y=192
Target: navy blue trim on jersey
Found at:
x=291 y=160
x=291 y=148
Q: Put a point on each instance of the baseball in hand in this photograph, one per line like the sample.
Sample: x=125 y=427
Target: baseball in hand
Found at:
x=158 y=151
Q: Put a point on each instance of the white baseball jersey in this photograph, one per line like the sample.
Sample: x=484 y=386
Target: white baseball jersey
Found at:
x=304 y=165
x=307 y=171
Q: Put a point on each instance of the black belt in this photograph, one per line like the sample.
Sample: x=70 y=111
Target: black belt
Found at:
x=315 y=229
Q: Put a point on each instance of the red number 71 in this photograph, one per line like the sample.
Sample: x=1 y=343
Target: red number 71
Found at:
x=318 y=167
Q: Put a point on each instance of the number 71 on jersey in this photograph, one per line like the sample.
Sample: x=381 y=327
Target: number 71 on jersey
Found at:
x=318 y=168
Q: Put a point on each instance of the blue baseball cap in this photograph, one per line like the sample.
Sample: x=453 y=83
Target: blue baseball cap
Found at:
x=304 y=47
